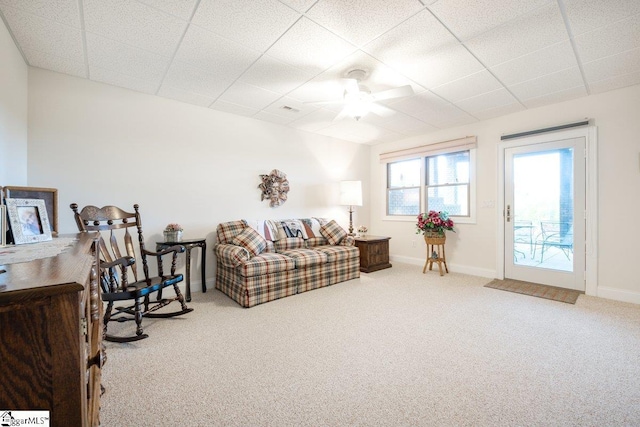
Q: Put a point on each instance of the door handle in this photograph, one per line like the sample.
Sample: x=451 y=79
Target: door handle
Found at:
x=508 y=213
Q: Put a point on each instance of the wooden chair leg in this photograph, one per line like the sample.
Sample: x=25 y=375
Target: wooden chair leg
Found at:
x=106 y=318
x=179 y=296
x=138 y=317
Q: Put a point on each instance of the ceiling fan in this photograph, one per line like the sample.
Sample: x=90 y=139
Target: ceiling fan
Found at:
x=358 y=100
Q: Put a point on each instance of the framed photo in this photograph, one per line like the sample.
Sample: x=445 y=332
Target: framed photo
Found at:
x=49 y=195
x=3 y=225
x=29 y=220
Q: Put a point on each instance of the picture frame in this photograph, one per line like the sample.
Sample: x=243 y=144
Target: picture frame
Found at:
x=49 y=195
x=3 y=225
x=28 y=220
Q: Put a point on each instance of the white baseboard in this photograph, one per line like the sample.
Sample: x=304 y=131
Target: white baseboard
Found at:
x=464 y=269
x=619 y=294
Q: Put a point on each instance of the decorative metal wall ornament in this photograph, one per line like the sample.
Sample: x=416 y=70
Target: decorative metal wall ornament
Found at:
x=275 y=187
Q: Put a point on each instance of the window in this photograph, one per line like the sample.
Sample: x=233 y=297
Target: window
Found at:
x=438 y=176
x=441 y=182
x=403 y=187
x=447 y=183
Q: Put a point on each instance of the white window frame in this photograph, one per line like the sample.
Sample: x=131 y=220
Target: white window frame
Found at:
x=471 y=219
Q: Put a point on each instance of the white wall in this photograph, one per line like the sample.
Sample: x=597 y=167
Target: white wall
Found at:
x=99 y=144
x=13 y=112
x=473 y=248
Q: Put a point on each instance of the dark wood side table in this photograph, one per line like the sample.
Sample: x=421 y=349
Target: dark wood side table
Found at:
x=374 y=253
x=190 y=244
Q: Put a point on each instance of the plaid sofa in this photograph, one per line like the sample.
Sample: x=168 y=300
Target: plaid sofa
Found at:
x=279 y=258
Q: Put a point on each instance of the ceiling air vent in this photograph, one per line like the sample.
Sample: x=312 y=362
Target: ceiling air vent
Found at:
x=290 y=109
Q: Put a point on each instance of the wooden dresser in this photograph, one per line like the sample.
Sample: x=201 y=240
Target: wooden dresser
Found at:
x=51 y=336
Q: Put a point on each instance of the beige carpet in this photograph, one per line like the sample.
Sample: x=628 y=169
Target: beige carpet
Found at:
x=393 y=348
x=536 y=290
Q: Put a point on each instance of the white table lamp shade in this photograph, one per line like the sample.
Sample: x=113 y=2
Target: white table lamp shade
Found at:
x=351 y=193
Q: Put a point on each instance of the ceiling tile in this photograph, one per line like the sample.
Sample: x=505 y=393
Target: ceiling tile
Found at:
x=616 y=82
x=425 y=101
x=56 y=63
x=299 y=5
x=447 y=65
x=248 y=95
x=552 y=98
x=314 y=121
x=289 y=107
x=121 y=80
x=444 y=115
x=219 y=56
x=62 y=11
x=185 y=96
x=406 y=125
x=112 y=55
x=551 y=83
x=252 y=58
x=274 y=75
x=37 y=34
x=497 y=98
x=273 y=118
x=233 y=108
x=469 y=86
x=587 y=15
x=193 y=79
x=253 y=23
x=611 y=66
x=418 y=37
x=543 y=27
x=360 y=21
x=467 y=19
x=551 y=59
x=491 y=113
x=179 y=8
x=609 y=40
x=134 y=24
x=309 y=46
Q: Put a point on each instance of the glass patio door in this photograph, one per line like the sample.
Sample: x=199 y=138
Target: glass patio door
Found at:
x=544 y=213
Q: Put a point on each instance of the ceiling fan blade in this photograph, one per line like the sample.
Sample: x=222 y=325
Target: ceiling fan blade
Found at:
x=351 y=86
x=381 y=110
x=397 y=92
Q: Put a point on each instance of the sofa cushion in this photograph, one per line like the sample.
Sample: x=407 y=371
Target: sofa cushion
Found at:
x=312 y=242
x=267 y=263
x=339 y=253
x=306 y=257
x=226 y=231
x=251 y=241
x=289 y=243
x=333 y=232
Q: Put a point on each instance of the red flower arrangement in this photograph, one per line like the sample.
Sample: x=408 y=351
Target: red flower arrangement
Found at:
x=435 y=222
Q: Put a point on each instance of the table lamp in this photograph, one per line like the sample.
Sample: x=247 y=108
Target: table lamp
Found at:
x=351 y=195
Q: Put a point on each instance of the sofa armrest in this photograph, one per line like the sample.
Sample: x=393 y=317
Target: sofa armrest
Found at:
x=231 y=255
x=348 y=241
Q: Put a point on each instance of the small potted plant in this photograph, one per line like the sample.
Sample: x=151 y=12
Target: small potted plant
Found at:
x=362 y=230
x=173 y=233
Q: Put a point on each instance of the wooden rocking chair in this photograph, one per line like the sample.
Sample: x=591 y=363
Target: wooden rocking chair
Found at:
x=115 y=270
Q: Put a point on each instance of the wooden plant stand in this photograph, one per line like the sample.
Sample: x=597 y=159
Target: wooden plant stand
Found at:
x=435 y=253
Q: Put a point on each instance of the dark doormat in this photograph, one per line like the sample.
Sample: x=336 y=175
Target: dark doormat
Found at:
x=541 y=291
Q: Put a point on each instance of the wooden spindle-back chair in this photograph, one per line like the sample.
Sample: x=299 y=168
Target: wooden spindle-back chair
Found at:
x=117 y=266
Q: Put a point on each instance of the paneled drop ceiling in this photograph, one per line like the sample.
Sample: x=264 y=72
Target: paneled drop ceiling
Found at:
x=467 y=60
